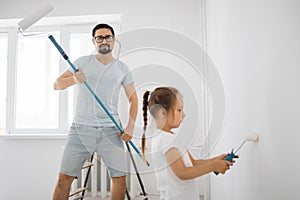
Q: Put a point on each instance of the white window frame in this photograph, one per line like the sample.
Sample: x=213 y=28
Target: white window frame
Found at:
x=66 y=26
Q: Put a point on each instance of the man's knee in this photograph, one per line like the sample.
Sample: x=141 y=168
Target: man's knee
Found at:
x=119 y=180
x=64 y=180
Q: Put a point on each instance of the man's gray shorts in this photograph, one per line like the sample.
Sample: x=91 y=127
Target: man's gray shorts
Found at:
x=83 y=140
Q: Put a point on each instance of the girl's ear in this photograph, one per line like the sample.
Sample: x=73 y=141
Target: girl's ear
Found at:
x=162 y=113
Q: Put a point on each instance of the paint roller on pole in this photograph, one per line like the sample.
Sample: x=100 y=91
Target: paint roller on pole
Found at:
x=34 y=17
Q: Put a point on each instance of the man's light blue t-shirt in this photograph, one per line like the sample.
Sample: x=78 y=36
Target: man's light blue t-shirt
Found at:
x=105 y=81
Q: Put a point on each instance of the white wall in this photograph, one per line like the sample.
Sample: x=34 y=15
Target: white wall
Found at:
x=29 y=167
x=255 y=45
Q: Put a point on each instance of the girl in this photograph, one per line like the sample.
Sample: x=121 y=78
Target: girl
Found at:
x=175 y=167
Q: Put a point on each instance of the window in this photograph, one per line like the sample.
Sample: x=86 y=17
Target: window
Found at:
x=3 y=70
x=37 y=68
x=33 y=105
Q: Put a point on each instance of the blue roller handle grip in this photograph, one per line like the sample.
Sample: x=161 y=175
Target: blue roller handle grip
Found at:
x=229 y=158
x=64 y=55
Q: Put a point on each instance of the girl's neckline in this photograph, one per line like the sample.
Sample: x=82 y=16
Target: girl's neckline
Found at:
x=172 y=133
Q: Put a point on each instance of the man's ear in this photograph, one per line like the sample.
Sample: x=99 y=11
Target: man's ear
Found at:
x=93 y=40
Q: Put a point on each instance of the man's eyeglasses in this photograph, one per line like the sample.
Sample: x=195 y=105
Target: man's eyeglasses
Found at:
x=100 y=38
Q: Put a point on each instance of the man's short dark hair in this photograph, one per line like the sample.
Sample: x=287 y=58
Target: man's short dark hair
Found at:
x=99 y=26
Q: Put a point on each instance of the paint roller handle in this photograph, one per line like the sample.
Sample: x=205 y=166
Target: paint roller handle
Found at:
x=229 y=158
x=61 y=51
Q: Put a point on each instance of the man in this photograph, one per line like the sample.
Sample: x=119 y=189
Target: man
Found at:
x=92 y=130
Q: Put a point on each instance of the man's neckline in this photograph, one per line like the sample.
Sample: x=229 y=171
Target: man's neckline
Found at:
x=105 y=64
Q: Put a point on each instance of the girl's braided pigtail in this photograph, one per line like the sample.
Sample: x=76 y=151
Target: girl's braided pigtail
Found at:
x=145 y=116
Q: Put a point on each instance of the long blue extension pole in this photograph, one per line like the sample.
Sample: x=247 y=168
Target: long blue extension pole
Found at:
x=64 y=55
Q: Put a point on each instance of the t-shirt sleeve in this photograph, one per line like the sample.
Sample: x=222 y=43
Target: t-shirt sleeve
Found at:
x=174 y=144
x=128 y=78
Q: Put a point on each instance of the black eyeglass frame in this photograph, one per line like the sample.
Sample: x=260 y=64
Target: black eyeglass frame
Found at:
x=100 y=38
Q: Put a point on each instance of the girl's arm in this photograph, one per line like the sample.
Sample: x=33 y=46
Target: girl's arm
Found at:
x=199 y=162
x=183 y=172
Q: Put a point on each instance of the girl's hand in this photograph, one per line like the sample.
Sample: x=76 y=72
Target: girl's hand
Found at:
x=223 y=156
x=221 y=165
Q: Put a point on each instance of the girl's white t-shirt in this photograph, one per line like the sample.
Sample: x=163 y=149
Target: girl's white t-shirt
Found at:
x=169 y=185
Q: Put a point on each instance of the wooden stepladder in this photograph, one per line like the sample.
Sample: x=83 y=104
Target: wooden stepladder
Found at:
x=79 y=193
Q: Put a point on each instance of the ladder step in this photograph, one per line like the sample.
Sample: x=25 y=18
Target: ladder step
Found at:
x=76 y=191
x=78 y=197
x=87 y=164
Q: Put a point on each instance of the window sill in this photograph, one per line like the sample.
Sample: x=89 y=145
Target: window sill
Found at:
x=33 y=136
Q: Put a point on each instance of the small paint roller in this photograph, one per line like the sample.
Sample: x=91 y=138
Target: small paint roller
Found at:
x=254 y=137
